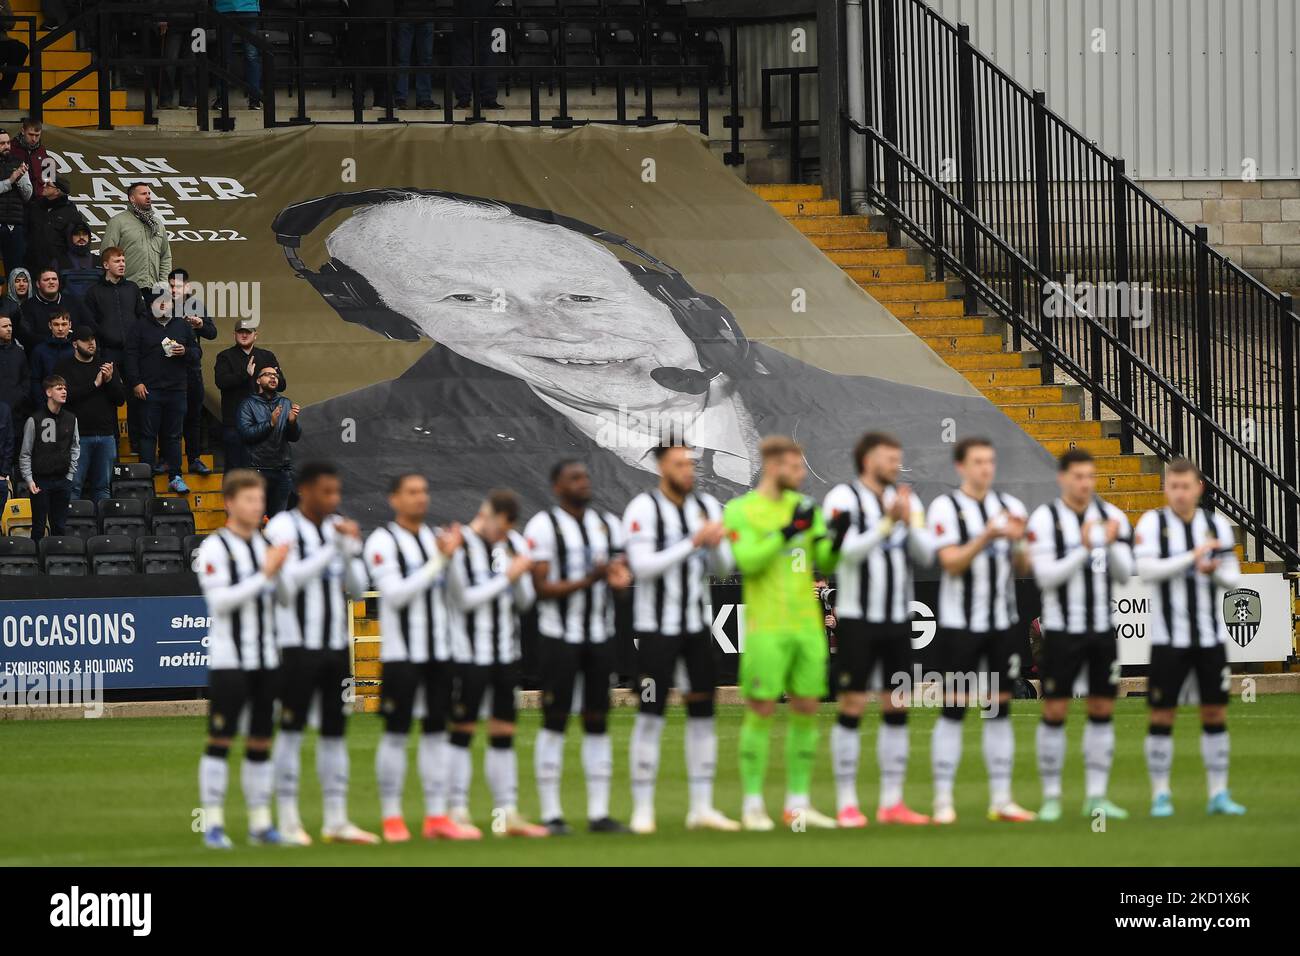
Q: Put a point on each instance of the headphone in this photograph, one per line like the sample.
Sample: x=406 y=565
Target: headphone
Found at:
x=720 y=344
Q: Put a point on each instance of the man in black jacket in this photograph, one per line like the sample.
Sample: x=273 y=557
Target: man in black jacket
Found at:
x=95 y=392
x=14 y=388
x=49 y=218
x=113 y=305
x=48 y=460
x=79 y=267
x=157 y=371
x=15 y=191
x=268 y=422
x=236 y=377
x=182 y=299
x=46 y=299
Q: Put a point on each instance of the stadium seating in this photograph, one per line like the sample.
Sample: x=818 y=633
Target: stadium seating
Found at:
x=122 y=516
x=159 y=554
x=111 y=554
x=18 y=556
x=132 y=480
x=17 y=517
x=169 y=516
x=63 y=555
x=82 y=520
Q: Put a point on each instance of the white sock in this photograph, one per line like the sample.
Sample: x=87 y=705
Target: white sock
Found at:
x=286 y=757
x=433 y=772
x=1214 y=751
x=598 y=767
x=643 y=758
x=701 y=761
x=1098 y=753
x=332 y=770
x=846 y=747
x=1051 y=758
x=548 y=765
x=753 y=803
x=502 y=771
x=999 y=757
x=945 y=758
x=460 y=768
x=1160 y=758
x=390 y=768
x=255 y=777
x=214 y=778
x=891 y=754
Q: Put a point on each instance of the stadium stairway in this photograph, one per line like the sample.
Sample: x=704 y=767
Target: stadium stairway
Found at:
x=975 y=345
x=77 y=106
x=205 y=490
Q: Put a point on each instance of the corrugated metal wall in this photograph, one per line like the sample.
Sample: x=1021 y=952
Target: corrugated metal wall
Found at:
x=1185 y=89
x=769 y=45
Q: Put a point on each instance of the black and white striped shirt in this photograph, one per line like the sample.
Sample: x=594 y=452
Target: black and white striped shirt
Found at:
x=672 y=575
x=241 y=602
x=323 y=569
x=584 y=616
x=982 y=599
x=1188 y=605
x=483 y=603
x=873 y=562
x=409 y=573
x=1074 y=576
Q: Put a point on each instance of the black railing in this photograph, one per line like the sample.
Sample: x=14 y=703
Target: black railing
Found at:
x=1190 y=353
x=794 y=122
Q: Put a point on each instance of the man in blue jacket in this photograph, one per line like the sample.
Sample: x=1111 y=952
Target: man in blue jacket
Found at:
x=267 y=423
x=157 y=372
x=50 y=353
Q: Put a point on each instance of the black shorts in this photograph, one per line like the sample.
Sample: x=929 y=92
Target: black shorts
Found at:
x=1170 y=667
x=230 y=691
x=401 y=684
x=871 y=655
x=470 y=682
x=305 y=674
x=561 y=663
x=995 y=655
x=656 y=664
x=1064 y=655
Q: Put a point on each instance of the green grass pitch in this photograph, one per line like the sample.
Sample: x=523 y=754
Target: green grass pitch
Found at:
x=123 y=791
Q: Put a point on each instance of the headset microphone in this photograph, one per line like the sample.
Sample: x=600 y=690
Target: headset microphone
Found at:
x=689 y=380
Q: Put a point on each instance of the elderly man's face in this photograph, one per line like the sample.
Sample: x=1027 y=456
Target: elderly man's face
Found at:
x=538 y=302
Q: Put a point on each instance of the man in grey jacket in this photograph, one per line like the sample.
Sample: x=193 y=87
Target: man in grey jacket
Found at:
x=142 y=238
x=267 y=423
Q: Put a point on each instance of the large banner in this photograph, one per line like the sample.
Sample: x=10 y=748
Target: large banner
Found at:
x=475 y=303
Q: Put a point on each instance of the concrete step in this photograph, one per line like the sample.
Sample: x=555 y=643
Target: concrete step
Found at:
x=1024 y=378
x=868 y=257
x=81 y=119
x=786 y=191
x=871 y=275
x=1107 y=484
x=1113 y=463
x=835 y=225
x=1098 y=446
x=52 y=78
x=1075 y=429
x=963 y=343
x=805 y=207
x=827 y=241
x=208 y=483
x=77 y=100
x=905 y=291
x=70 y=60
x=1138 y=501
x=988 y=360
x=963 y=326
x=1047 y=412
x=939 y=308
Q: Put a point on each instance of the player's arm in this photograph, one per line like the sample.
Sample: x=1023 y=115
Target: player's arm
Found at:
x=522 y=591
x=214 y=579
x=824 y=554
x=398 y=591
x=1119 y=553
x=644 y=561
x=854 y=545
x=920 y=543
x=955 y=558
x=1049 y=571
x=298 y=571
x=1152 y=568
x=472 y=597
x=752 y=549
x=1227 y=572
x=541 y=544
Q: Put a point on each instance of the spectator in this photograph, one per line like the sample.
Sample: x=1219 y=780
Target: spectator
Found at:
x=156 y=369
x=53 y=12
x=142 y=239
x=49 y=353
x=183 y=299
x=30 y=150
x=174 y=35
x=366 y=45
x=15 y=191
x=12 y=52
x=421 y=34
x=79 y=268
x=48 y=298
x=236 y=377
x=17 y=290
x=6 y=452
x=244 y=12
x=49 y=220
x=15 y=390
x=95 y=391
x=113 y=305
x=463 y=50
x=267 y=424
x=48 y=459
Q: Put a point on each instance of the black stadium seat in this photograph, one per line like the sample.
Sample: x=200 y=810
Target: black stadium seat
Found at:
x=122 y=516
x=81 y=520
x=190 y=546
x=63 y=555
x=170 y=516
x=160 y=554
x=111 y=554
x=132 y=480
x=18 y=556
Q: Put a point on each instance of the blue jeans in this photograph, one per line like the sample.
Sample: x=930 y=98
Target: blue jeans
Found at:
x=252 y=57
x=95 y=467
x=422 y=34
x=279 y=483
x=163 y=416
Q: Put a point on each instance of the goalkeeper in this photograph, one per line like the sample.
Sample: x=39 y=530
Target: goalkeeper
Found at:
x=777 y=536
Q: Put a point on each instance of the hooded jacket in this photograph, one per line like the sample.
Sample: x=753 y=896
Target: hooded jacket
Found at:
x=79 y=267
x=10 y=304
x=48 y=223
